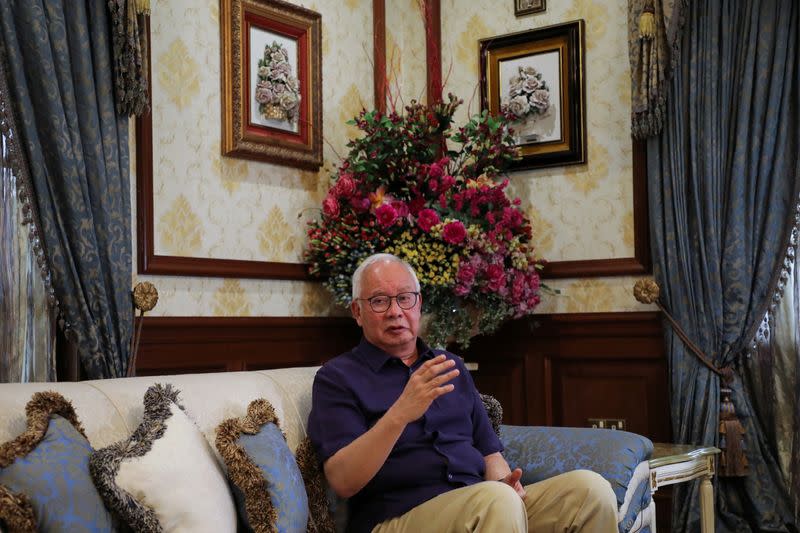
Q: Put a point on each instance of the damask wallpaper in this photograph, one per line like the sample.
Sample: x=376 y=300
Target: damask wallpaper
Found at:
x=206 y=205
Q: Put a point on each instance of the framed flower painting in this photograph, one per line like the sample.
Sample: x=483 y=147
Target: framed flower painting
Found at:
x=537 y=78
x=271 y=82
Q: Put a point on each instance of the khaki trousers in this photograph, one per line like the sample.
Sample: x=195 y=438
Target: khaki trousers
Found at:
x=576 y=501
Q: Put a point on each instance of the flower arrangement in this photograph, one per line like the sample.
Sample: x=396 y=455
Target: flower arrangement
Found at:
x=445 y=211
x=528 y=94
x=277 y=90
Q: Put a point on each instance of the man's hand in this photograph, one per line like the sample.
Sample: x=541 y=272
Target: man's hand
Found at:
x=512 y=480
x=424 y=386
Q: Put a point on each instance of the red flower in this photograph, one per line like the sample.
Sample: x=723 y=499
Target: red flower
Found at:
x=426 y=219
x=496 y=276
x=435 y=170
x=454 y=232
x=446 y=182
x=330 y=207
x=386 y=215
x=416 y=205
x=346 y=186
x=400 y=207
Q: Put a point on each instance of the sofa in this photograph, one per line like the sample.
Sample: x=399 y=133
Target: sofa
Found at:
x=111 y=409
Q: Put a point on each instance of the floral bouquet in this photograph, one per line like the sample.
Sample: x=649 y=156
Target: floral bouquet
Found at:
x=445 y=211
x=528 y=94
x=277 y=90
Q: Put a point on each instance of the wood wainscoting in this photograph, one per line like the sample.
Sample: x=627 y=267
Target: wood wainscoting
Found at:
x=560 y=370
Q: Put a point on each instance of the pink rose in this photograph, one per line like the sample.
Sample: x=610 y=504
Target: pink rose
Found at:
x=496 y=277
x=346 y=186
x=466 y=273
x=386 y=215
x=330 y=207
x=426 y=219
x=435 y=170
x=446 y=182
x=400 y=207
x=454 y=232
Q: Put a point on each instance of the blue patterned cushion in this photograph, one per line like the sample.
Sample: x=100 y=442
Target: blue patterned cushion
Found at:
x=49 y=463
x=544 y=452
x=267 y=483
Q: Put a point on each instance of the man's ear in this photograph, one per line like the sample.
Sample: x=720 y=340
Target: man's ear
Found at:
x=355 y=309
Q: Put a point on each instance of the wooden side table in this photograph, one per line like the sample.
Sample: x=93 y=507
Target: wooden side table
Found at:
x=677 y=463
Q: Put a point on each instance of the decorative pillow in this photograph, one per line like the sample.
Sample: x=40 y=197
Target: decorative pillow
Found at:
x=164 y=477
x=16 y=512
x=49 y=464
x=320 y=519
x=268 y=485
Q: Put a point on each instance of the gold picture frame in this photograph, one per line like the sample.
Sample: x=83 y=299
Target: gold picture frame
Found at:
x=271 y=82
x=539 y=76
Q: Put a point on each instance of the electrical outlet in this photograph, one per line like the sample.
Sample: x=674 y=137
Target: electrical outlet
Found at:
x=607 y=423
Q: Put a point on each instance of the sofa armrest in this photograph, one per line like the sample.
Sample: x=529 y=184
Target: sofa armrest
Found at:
x=544 y=452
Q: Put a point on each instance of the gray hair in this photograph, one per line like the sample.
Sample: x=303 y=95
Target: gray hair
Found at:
x=374 y=258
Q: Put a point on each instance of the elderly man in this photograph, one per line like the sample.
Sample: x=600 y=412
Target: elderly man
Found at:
x=402 y=432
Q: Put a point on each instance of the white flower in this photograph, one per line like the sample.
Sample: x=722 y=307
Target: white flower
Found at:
x=289 y=101
x=540 y=99
x=531 y=84
x=519 y=106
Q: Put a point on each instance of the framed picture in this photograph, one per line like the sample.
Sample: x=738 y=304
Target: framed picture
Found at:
x=528 y=7
x=538 y=77
x=271 y=82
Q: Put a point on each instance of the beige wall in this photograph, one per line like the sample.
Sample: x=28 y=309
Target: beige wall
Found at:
x=218 y=207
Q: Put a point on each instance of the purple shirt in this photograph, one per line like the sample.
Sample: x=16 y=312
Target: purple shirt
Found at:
x=441 y=451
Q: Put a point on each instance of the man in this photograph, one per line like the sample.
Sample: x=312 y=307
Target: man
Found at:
x=402 y=432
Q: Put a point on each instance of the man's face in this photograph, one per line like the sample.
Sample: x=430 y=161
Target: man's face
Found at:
x=394 y=330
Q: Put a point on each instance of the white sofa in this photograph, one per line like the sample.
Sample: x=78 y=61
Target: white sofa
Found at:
x=111 y=409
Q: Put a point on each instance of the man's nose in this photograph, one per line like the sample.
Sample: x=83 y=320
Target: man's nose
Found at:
x=394 y=307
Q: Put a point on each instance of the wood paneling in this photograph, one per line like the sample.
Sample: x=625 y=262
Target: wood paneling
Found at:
x=565 y=369
x=545 y=370
x=172 y=345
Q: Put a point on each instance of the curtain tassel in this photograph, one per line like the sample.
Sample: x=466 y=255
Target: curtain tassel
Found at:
x=143 y=7
x=647 y=21
x=732 y=460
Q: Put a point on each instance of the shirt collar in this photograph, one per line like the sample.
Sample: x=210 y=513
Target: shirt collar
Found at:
x=376 y=358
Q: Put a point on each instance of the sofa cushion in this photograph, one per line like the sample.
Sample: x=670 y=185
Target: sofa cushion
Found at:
x=268 y=486
x=165 y=477
x=16 y=512
x=320 y=517
x=49 y=464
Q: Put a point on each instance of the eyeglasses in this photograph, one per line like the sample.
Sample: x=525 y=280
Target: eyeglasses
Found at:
x=380 y=303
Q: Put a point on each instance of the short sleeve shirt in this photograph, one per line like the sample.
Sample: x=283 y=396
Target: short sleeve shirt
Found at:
x=441 y=451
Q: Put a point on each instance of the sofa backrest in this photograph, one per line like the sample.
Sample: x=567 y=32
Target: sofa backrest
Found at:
x=111 y=409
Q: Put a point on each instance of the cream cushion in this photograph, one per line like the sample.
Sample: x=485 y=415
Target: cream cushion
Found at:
x=180 y=480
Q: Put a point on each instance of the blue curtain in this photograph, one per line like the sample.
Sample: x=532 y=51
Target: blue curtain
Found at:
x=723 y=184
x=59 y=66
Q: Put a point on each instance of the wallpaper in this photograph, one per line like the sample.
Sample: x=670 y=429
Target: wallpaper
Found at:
x=207 y=205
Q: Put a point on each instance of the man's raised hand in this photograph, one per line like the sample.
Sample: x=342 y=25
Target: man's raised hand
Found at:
x=426 y=384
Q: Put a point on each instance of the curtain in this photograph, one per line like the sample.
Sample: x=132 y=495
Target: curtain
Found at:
x=76 y=146
x=723 y=183
x=772 y=379
x=27 y=324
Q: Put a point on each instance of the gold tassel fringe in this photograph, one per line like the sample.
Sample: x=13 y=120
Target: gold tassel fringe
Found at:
x=647 y=26
x=732 y=460
x=143 y=7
